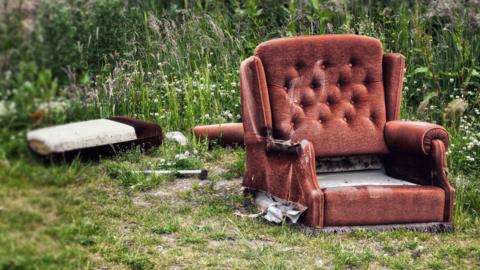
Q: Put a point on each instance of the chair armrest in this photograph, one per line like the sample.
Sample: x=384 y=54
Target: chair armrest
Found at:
x=287 y=171
x=282 y=146
x=413 y=137
x=418 y=153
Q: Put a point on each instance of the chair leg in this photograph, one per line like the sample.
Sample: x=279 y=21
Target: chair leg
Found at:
x=439 y=173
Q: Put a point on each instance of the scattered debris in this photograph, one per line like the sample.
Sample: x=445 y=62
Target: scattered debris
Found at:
x=277 y=210
x=202 y=174
x=176 y=136
x=256 y=215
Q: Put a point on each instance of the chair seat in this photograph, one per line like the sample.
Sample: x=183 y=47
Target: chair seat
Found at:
x=359 y=178
x=371 y=197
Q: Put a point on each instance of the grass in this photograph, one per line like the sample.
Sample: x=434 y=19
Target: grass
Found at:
x=176 y=63
x=99 y=222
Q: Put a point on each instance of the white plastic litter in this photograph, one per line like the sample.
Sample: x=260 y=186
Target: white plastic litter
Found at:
x=176 y=136
x=277 y=210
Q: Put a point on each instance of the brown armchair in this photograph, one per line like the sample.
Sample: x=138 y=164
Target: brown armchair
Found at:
x=321 y=129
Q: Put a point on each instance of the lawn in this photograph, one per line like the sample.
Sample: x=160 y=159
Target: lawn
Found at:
x=176 y=63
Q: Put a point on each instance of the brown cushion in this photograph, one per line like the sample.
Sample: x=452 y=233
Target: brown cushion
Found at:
x=369 y=205
x=327 y=89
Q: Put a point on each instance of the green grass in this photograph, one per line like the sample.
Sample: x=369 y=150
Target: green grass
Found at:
x=100 y=222
x=176 y=63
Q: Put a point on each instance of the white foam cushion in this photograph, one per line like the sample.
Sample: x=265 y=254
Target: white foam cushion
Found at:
x=359 y=178
x=81 y=135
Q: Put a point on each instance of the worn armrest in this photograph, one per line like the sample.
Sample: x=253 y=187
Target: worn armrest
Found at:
x=413 y=137
x=284 y=169
x=282 y=146
x=287 y=171
x=418 y=154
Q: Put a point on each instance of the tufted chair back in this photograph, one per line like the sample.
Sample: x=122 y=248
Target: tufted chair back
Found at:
x=327 y=89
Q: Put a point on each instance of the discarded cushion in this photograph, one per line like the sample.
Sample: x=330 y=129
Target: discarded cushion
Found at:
x=94 y=137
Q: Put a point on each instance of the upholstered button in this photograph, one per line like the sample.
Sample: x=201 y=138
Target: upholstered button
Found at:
x=345 y=119
x=352 y=102
x=327 y=103
x=350 y=64
x=315 y=84
x=322 y=66
x=320 y=121
x=299 y=65
x=338 y=84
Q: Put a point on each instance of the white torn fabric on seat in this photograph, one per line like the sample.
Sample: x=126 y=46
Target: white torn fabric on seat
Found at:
x=80 y=135
x=277 y=210
x=359 y=178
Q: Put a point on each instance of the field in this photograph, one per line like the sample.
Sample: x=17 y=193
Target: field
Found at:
x=177 y=63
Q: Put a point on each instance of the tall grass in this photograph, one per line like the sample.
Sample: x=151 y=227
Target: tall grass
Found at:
x=177 y=62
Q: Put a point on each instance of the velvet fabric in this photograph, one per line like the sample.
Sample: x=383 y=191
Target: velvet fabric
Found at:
x=393 y=70
x=143 y=129
x=413 y=137
x=287 y=173
x=327 y=89
x=280 y=168
x=373 y=205
x=331 y=96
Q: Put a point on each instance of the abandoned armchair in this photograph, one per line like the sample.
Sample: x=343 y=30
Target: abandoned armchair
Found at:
x=323 y=140
x=321 y=130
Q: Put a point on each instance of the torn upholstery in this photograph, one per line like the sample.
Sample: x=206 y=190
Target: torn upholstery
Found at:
x=333 y=96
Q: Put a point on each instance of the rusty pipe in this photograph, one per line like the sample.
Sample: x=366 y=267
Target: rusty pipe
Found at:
x=226 y=134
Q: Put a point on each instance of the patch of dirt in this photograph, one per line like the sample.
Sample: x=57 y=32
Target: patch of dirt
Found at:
x=226 y=185
x=171 y=188
x=185 y=184
x=139 y=200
